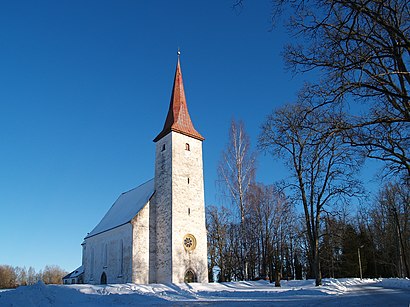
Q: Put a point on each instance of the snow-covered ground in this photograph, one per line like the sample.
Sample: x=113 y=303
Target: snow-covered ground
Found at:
x=334 y=292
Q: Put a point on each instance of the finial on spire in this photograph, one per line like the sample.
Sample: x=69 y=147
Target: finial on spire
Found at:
x=178 y=52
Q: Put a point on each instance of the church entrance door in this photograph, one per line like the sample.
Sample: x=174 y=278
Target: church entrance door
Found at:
x=103 y=278
x=190 y=276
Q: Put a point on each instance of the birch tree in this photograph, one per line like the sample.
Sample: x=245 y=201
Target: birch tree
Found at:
x=236 y=171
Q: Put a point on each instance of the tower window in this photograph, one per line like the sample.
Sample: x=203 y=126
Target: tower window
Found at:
x=163 y=147
x=188 y=180
x=189 y=211
x=187 y=147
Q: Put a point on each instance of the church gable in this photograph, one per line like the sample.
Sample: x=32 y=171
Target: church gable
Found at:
x=125 y=208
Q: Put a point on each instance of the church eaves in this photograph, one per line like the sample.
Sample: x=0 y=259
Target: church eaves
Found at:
x=125 y=208
x=178 y=118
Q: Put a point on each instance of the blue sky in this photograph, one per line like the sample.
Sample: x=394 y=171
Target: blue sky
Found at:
x=85 y=87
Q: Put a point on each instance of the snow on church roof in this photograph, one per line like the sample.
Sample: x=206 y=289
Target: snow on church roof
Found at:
x=77 y=272
x=125 y=208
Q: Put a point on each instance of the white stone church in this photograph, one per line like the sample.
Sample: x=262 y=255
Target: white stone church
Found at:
x=156 y=232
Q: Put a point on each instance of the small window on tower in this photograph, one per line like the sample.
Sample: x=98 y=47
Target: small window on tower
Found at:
x=189 y=211
x=163 y=147
x=188 y=180
x=187 y=147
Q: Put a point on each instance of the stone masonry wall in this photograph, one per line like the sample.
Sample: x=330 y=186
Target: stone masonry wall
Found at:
x=160 y=240
x=188 y=208
x=140 y=246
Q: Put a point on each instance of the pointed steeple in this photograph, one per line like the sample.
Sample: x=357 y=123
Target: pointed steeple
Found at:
x=178 y=118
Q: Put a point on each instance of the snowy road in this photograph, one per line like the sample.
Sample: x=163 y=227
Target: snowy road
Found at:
x=359 y=295
x=373 y=295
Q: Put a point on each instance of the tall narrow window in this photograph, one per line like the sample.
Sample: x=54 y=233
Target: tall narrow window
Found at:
x=188 y=180
x=187 y=147
x=105 y=256
x=163 y=147
x=92 y=264
x=121 y=262
x=189 y=211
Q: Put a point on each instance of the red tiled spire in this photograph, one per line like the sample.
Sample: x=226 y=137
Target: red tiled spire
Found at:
x=178 y=118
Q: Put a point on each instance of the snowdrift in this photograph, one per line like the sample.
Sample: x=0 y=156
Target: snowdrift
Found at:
x=295 y=293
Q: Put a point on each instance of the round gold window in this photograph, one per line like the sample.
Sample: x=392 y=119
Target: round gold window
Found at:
x=189 y=242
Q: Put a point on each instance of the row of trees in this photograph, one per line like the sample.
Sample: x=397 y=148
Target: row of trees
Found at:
x=385 y=227
x=307 y=226
x=357 y=107
x=380 y=232
x=263 y=245
x=12 y=277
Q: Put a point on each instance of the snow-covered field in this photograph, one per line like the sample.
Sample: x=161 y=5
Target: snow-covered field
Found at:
x=334 y=292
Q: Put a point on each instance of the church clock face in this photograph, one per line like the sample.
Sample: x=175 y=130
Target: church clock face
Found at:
x=189 y=242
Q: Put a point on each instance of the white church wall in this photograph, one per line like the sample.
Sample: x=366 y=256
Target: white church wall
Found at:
x=109 y=252
x=140 y=246
x=152 y=241
x=189 y=208
x=161 y=249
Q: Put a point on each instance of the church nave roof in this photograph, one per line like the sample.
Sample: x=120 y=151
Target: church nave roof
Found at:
x=125 y=208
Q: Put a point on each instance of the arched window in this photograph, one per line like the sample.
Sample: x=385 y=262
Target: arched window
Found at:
x=103 y=280
x=187 y=147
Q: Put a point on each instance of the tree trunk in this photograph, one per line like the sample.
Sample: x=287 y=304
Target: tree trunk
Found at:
x=318 y=272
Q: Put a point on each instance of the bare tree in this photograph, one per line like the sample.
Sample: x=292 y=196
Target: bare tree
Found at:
x=394 y=200
x=385 y=229
x=237 y=166
x=218 y=221
x=321 y=167
x=21 y=273
x=32 y=276
x=273 y=215
x=236 y=171
x=361 y=50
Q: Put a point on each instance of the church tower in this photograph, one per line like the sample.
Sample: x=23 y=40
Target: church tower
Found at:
x=178 y=243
